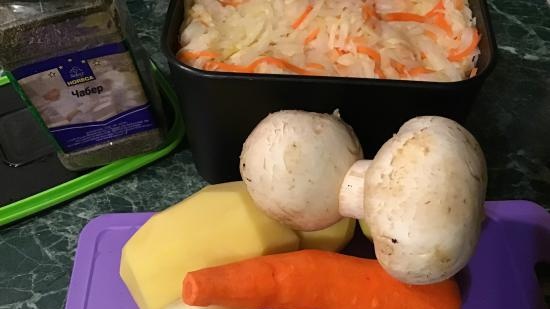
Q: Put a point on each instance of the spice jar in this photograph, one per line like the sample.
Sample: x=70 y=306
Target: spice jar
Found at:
x=80 y=70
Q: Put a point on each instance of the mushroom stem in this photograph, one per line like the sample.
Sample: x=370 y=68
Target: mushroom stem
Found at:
x=351 y=197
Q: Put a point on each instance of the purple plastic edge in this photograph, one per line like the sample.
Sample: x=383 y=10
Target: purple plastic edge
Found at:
x=83 y=260
x=499 y=211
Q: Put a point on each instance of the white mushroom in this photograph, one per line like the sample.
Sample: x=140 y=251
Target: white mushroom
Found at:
x=293 y=164
x=421 y=196
x=424 y=195
x=352 y=191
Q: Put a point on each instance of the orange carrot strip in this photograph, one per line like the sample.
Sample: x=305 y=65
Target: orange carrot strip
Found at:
x=312 y=279
x=192 y=55
x=419 y=70
x=230 y=2
x=302 y=17
x=220 y=66
x=431 y=35
x=458 y=56
x=438 y=7
x=294 y=68
x=473 y=72
x=311 y=36
x=341 y=51
x=403 y=16
x=278 y=63
x=440 y=21
x=313 y=65
x=438 y=17
x=226 y=67
x=368 y=12
x=373 y=54
x=380 y=73
x=399 y=67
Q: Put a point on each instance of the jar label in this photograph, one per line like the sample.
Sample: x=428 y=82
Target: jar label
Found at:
x=87 y=98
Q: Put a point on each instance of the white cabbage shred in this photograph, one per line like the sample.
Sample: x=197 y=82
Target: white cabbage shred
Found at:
x=347 y=38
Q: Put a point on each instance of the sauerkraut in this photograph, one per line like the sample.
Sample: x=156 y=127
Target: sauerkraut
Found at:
x=426 y=40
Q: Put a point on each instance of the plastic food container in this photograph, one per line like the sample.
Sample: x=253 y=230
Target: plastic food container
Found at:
x=26 y=190
x=220 y=109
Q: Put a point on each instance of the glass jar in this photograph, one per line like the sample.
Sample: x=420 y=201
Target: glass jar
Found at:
x=78 y=66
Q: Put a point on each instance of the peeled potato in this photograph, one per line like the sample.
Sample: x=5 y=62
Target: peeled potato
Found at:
x=365 y=229
x=333 y=238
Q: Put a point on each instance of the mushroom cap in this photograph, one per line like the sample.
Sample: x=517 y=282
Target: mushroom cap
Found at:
x=293 y=164
x=424 y=195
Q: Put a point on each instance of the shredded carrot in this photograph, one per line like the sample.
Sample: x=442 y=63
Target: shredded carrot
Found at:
x=373 y=54
x=438 y=18
x=220 y=66
x=311 y=279
x=341 y=51
x=419 y=70
x=404 y=16
x=230 y=2
x=459 y=4
x=278 y=63
x=380 y=73
x=226 y=67
x=369 y=12
x=438 y=7
x=294 y=68
x=311 y=36
x=431 y=35
x=458 y=56
x=313 y=65
x=473 y=72
x=440 y=21
x=302 y=17
x=399 y=67
x=192 y=55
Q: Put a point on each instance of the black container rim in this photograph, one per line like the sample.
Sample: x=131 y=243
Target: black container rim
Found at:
x=169 y=53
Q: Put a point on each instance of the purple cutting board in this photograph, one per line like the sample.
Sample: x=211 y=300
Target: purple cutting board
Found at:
x=516 y=236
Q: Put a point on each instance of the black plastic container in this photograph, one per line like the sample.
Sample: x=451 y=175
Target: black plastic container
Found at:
x=221 y=109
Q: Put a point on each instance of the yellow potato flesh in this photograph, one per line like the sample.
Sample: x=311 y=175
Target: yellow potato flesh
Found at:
x=218 y=225
x=333 y=238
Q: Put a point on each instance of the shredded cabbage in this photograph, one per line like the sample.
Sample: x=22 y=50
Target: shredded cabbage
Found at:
x=426 y=40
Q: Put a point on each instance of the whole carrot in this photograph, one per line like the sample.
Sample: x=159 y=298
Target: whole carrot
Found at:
x=312 y=279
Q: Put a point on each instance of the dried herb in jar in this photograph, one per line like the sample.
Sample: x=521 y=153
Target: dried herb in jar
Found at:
x=75 y=64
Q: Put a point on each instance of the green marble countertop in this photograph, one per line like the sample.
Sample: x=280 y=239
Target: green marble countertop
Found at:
x=511 y=119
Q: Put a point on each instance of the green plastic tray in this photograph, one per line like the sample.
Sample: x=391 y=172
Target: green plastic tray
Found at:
x=101 y=176
x=3 y=80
